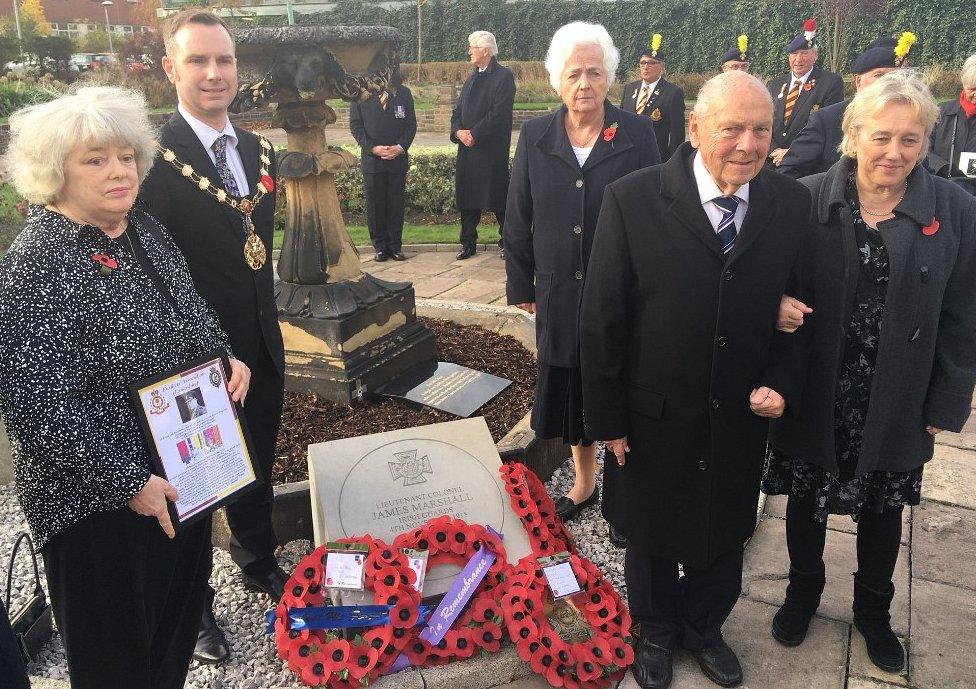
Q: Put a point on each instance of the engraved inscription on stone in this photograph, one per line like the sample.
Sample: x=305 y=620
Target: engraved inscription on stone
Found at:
x=389 y=483
x=448 y=387
x=439 y=389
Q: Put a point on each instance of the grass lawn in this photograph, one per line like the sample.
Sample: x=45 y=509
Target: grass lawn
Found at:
x=416 y=234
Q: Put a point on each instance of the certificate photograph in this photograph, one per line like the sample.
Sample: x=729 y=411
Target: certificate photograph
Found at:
x=967 y=164
x=197 y=436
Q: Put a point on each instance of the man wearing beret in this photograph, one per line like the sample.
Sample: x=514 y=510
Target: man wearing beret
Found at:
x=806 y=89
x=737 y=58
x=656 y=97
x=815 y=148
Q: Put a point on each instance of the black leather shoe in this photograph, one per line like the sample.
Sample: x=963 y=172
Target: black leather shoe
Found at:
x=381 y=256
x=272 y=583
x=212 y=647
x=617 y=539
x=566 y=509
x=398 y=256
x=720 y=665
x=466 y=252
x=653 y=666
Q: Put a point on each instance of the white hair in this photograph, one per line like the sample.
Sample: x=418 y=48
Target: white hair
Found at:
x=573 y=34
x=901 y=87
x=42 y=136
x=724 y=85
x=967 y=75
x=484 y=39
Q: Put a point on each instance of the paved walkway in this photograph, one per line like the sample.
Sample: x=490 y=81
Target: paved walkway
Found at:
x=438 y=275
x=340 y=136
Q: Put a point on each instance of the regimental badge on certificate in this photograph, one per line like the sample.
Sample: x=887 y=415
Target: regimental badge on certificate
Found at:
x=196 y=436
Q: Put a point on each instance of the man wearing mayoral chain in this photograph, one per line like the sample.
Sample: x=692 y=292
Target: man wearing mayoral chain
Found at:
x=212 y=186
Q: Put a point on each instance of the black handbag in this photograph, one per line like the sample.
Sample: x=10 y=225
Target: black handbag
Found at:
x=33 y=623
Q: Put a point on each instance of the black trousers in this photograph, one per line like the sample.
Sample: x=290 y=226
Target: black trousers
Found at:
x=253 y=540
x=469 y=226
x=11 y=663
x=878 y=540
x=127 y=599
x=689 y=611
x=384 y=209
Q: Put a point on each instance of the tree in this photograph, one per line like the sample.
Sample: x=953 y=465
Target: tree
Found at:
x=95 y=41
x=9 y=49
x=145 y=45
x=838 y=18
x=54 y=54
x=31 y=10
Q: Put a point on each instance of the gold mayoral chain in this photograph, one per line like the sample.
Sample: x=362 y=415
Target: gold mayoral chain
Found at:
x=255 y=253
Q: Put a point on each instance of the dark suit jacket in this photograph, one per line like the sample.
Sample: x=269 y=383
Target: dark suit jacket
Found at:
x=551 y=219
x=674 y=335
x=666 y=108
x=485 y=107
x=211 y=236
x=371 y=125
x=815 y=149
x=953 y=135
x=826 y=88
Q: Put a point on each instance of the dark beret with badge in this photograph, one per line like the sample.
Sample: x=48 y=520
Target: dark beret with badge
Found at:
x=805 y=41
x=740 y=53
x=886 y=51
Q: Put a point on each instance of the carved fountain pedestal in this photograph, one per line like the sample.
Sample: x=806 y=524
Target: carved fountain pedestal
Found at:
x=345 y=331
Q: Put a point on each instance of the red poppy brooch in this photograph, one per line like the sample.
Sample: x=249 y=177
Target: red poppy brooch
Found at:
x=106 y=264
x=931 y=228
x=610 y=132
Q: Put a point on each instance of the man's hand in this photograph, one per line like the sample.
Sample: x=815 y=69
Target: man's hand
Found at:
x=767 y=402
x=932 y=430
x=379 y=151
x=528 y=307
x=240 y=380
x=393 y=152
x=777 y=155
x=151 y=502
x=464 y=136
x=791 y=313
x=619 y=448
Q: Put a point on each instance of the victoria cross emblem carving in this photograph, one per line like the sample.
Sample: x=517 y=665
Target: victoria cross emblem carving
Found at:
x=410 y=468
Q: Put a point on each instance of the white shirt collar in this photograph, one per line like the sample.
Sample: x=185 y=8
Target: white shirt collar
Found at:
x=708 y=189
x=802 y=80
x=205 y=133
x=651 y=86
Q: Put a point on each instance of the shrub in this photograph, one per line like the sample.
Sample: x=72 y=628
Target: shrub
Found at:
x=942 y=80
x=158 y=91
x=18 y=93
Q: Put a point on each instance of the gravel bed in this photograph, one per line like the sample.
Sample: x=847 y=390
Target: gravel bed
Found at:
x=254 y=664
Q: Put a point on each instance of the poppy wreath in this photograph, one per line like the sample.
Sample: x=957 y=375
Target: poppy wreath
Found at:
x=479 y=628
x=536 y=510
x=590 y=664
x=323 y=658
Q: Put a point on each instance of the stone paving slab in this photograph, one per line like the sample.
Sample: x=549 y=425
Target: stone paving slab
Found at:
x=480 y=291
x=950 y=477
x=943 y=636
x=818 y=663
x=766 y=568
x=862 y=683
x=429 y=287
x=776 y=507
x=860 y=665
x=944 y=545
x=479 y=672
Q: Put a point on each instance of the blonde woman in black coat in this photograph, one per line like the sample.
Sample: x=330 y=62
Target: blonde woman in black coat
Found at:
x=893 y=293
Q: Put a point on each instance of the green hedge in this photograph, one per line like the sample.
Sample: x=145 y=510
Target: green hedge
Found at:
x=430 y=185
x=696 y=32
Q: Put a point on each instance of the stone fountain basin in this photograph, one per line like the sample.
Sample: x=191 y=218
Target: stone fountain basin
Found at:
x=292 y=516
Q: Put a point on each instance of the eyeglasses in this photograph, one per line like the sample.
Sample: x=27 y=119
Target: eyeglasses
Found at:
x=649 y=63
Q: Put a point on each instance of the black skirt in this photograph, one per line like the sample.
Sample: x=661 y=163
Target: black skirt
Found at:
x=557 y=411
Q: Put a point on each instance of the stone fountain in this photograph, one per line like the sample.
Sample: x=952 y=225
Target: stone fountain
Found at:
x=345 y=331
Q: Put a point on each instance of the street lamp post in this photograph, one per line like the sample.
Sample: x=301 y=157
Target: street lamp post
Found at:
x=108 y=25
x=17 y=21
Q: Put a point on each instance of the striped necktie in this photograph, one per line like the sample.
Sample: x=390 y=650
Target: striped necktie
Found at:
x=791 y=100
x=384 y=98
x=726 y=230
x=642 y=100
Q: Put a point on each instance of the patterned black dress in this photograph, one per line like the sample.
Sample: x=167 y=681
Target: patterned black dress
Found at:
x=846 y=492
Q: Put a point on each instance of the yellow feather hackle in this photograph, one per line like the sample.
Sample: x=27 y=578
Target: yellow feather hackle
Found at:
x=743 y=43
x=656 y=42
x=905 y=43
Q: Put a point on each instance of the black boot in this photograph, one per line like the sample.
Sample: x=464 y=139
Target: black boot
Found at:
x=873 y=620
x=802 y=600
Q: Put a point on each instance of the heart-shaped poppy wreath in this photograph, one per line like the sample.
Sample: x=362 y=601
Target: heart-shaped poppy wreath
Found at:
x=454 y=541
x=320 y=657
x=589 y=664
x=536 y=510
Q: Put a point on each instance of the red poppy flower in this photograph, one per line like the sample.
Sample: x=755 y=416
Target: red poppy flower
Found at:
x=807 y=86
x=931 y=228
x=488 y=636
x=463 y=642
x=361 y=661
x=315 y=670
x=267 y=183
x=417 y=651
x=292 y=640
x=386 y=580
x=610 y=132
x=523 y=630
x=106 y=261
x=621 y=653
x=541 y=660
x=403 y=615
x=434 y=660
x=485 y=610
x=587 y=669
x=336 y=653
x=378 y=638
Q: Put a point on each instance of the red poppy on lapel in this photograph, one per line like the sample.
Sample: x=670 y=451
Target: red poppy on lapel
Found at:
x=931 y=228
x=807 y=86
x=610 y=132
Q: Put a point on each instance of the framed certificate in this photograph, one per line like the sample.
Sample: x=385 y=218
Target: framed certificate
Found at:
x=967 y=164
x=196 y=436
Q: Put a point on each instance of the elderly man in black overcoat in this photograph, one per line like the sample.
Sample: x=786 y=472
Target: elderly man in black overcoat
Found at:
x=682 y=366
x=481 y=126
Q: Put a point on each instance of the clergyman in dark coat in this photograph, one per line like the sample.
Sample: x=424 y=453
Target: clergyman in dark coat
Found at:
x=657 y=98
x=481 y=126
x=682 y=364
x=384 y=127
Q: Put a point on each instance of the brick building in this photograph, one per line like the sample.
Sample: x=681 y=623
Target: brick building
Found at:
x=75 y=18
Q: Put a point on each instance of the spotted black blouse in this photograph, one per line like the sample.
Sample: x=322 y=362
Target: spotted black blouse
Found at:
x=72 y=340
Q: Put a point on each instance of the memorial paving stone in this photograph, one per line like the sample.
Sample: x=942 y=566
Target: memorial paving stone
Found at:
x=448 y=387
x=388 y=483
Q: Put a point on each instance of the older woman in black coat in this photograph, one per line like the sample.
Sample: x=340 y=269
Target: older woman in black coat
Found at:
x=893 y=293
x=563 y=161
